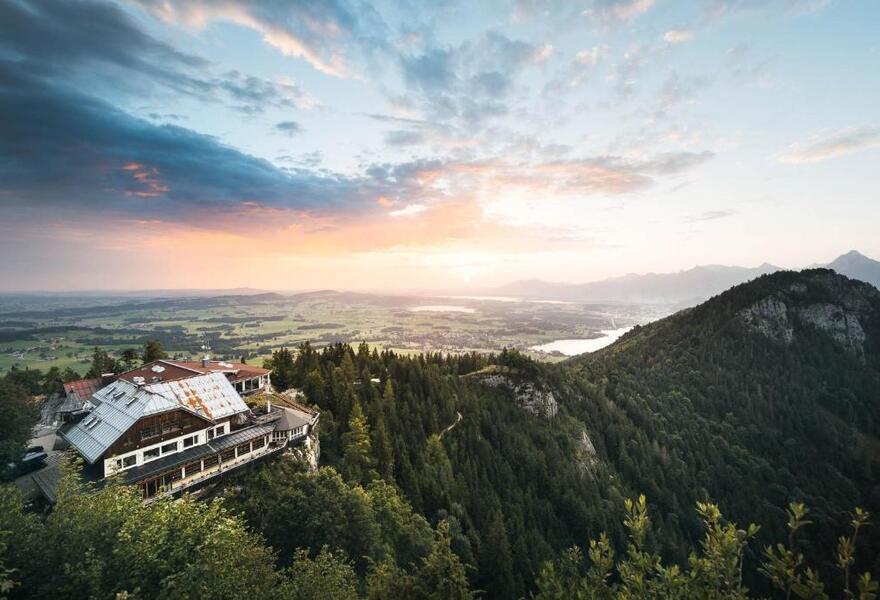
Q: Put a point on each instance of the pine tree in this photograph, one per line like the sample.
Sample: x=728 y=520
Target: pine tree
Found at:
x=383 y=451
x=357 y=459
x=153 y=351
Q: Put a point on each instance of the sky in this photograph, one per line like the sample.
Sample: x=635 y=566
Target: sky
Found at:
x=293 y=144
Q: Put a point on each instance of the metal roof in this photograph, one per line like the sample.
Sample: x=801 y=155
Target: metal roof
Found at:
x=122 y=403
x=170 y=370
x=292 y=418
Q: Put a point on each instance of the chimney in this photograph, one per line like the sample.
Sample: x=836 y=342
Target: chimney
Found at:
x=205 y=361
x=107 y=378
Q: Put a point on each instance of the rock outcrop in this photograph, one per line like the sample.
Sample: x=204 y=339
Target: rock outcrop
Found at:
x=539 y=402
x=309 y=451
x=769 y=317
x=826 y=303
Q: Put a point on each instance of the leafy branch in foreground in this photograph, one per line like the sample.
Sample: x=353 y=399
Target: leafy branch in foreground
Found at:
x=714 y=570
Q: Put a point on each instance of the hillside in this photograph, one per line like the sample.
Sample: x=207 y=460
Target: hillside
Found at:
x=765 y=394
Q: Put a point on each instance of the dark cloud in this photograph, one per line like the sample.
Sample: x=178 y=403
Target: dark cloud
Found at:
x=87 y=42
x=290 y=128
x=60 y=148
x=53 y=36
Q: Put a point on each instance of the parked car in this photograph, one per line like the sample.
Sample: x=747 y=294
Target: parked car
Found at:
x=33 y=460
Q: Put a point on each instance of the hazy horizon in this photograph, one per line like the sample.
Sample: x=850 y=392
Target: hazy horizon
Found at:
x=401 y=291
x=150 y=144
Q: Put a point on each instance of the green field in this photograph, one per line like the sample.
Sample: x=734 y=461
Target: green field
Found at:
x=38 y=332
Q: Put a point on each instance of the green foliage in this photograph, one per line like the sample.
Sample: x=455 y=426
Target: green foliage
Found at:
x=327 y=576
x=102 y=363
x=714 y=570
x=357 y=460
x=440 y=576
x=153 y=351
x=97 y=544
x=298 y=509
x=18 y=414
x=281 y=363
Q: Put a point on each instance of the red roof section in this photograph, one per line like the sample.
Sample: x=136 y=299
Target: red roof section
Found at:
x=84 y=388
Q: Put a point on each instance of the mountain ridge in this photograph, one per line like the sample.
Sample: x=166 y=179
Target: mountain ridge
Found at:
x=687 y=286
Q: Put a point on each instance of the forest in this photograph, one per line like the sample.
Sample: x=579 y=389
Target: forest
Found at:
x=435 y=484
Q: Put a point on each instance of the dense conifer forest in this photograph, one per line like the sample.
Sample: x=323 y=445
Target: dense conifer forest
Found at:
x=436 y=484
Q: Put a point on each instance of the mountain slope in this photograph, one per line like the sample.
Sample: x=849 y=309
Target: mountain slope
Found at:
x=767 y=393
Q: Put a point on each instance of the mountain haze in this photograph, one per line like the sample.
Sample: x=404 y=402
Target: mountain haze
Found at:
x=684 y=287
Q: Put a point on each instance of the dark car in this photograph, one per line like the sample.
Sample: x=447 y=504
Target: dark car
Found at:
x=30 y=462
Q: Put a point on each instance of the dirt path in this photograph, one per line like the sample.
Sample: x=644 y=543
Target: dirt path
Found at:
x=451 y=427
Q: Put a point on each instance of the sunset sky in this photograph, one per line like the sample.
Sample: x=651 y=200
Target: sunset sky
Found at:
x=400 y=145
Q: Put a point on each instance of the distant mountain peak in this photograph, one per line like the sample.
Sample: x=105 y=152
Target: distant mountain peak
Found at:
x=856 y=265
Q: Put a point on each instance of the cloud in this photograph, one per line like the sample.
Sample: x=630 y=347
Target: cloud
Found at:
x=88 y=43
x=832 y=145
x=581 y=67
x=469 y=84
x=616 y=12
x=608 y=175
x=677 y=89
x=711 y=215
x=402 y=137
x=321 y=33
x=291 y=128
x=63 y=149
x=677 y=36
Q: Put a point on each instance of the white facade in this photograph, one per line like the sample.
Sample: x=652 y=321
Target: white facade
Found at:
x=143 y=455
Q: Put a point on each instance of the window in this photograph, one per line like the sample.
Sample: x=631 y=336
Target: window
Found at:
x=227 y=455
x=151 y=454
x=242 y=449
x=221 y=430
x=167 y=448
x=192 y=468
x=126 y=462
x=190 y=441
x=211 y=461
x=210 y=434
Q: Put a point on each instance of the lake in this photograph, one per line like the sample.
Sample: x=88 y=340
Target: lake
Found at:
x=442 y=308
x=580 y=346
